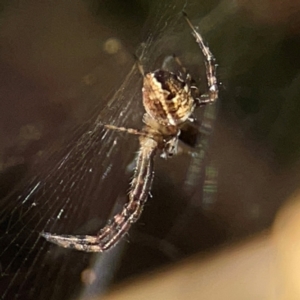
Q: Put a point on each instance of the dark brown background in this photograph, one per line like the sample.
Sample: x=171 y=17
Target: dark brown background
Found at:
x=55 y=70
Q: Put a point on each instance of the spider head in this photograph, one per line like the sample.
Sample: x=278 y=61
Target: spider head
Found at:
x=167 y=97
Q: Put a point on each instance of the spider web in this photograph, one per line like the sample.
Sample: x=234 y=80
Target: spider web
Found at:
x=83 y=180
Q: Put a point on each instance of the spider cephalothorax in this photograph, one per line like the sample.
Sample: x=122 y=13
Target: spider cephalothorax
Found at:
x=169 y=100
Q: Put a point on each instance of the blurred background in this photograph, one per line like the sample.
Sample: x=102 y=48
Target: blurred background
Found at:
x=67 y=68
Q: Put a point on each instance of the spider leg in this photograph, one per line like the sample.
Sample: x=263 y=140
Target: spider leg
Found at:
x=188 y=77
x=86 y=243
x=121 y=222
x=210 y=64
x=128 y=130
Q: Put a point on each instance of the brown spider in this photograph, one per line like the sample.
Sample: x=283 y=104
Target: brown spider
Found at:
x=169 y=100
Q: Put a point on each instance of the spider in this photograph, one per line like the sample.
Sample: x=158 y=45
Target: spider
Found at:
x=169 y=100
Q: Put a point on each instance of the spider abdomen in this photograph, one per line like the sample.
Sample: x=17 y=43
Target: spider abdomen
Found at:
x=167 y=98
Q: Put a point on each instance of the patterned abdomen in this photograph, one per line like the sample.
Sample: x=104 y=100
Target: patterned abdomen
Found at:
x=167 y=98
